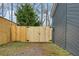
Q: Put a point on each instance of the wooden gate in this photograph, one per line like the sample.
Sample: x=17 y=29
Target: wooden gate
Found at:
x=33 y=34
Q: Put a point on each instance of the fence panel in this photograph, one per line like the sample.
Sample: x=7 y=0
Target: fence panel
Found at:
x=36 y=35
x=4 y=31
x=33 y=34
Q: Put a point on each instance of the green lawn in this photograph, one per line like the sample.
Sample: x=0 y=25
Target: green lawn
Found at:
x=19 y=48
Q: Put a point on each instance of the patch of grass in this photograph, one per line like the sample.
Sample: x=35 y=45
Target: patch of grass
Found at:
x=49 y=49
x=11 y=48
x=53 y=50
x=13 y=45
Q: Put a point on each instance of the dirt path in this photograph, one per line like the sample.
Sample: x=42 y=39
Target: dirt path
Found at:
x=32 y=49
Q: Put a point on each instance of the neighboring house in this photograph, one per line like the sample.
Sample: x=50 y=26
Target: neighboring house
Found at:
x=66 y=26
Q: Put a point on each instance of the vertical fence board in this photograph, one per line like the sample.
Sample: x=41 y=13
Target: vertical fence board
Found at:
x=42 y=34
x=51 y=33
x=30 y=34
x=13 y=30
x=18 y=34
x=47 y=33
x=36 y=34
x=22 y=34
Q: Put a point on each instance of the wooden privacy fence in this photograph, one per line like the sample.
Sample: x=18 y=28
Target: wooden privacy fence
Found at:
x=31 y=34
x=9 y=31
x=5 y=30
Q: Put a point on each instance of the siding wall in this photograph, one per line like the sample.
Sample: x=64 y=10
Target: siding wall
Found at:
x=59 y=34
x=73 y=28
x=67 y=27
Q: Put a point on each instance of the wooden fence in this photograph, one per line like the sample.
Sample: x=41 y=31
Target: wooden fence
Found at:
x=31 y=34
x=9 y=31
x=4 y=31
